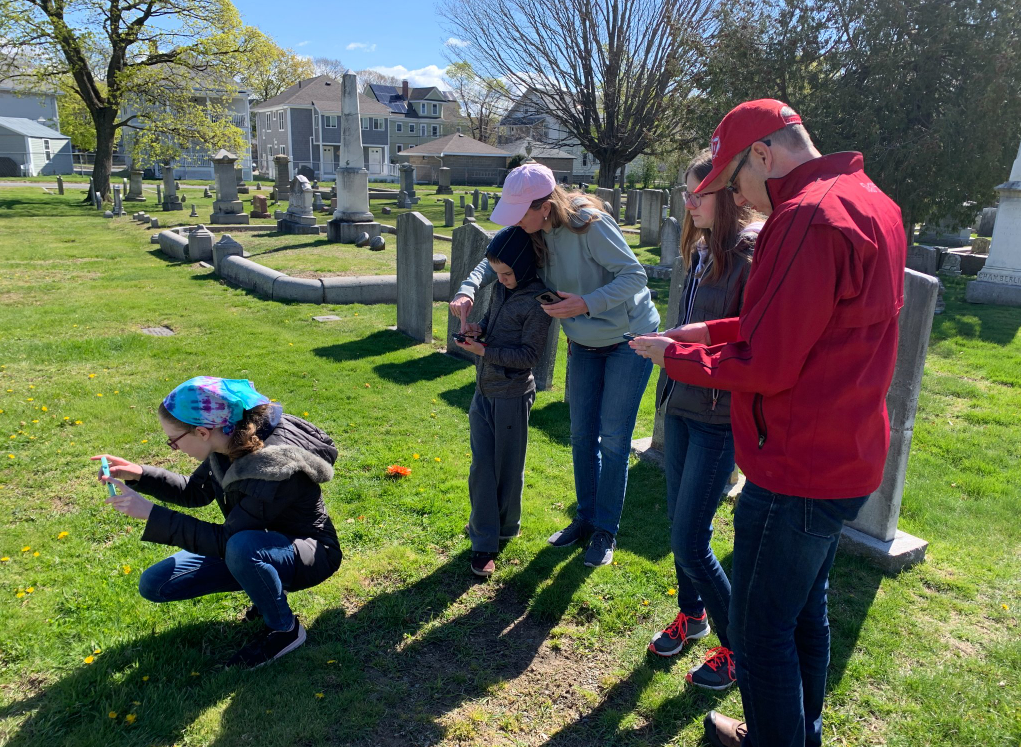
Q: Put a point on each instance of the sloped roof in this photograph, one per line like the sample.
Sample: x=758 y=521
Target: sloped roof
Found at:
x=30 y=128
x=455 y=145
x=539 y=150
x=393 y=98
x=325 y=93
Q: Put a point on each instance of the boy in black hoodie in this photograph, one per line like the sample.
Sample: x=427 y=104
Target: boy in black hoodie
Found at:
x=514 y=331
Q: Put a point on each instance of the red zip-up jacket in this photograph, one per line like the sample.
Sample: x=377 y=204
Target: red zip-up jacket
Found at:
x=810 y=359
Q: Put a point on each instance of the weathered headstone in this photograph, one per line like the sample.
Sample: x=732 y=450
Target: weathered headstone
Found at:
x=677 y=203
x=467 y=249
x=118 y=206
x=605 y=194
x=282 y=173
x=496 y=201
x=260 y=209
x=200 y=244
x=60 y=185
x=485 y=202
x=444 y=182
x=154 y=223
x=352 y=215
x=228 y=208
x=415 y=276
x=242 y=187
x=980 y=245
x=408 y=178
x=363 y=239
x=377 y=243
x=616 y=204
x=135 y=187
x=386 y=210
x=194 y=211
x=462 y=202
x=226 y=247
x=631 y=211
x=403 y=201
x=299 y=218
x=306 y=171
x=439 y=262
x=170 y=199
x=951 y=264
x=317 y=203
x=206 y=193
x=874 y=532
x=669 y=241
x=469 y=211
x=159 y=193
x=448 y=213
x=652 y=210
x=475 y=199
x=987 y=222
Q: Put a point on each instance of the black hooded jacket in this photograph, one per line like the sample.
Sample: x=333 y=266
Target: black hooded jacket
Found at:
x=275 y=489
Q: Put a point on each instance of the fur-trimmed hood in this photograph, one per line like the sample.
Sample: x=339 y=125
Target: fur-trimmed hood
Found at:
x=273 y=464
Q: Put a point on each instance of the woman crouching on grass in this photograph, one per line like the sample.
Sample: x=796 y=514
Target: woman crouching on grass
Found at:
x=264 y=470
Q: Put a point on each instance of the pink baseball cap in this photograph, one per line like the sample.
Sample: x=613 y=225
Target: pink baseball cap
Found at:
x=526 y=183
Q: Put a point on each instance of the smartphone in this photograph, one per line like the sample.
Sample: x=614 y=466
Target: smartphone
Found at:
x=629 y=336
x=106 y=473
x=547 y=297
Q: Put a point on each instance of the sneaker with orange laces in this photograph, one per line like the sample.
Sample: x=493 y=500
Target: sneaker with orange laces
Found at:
x=684 y=628
x=716 y=672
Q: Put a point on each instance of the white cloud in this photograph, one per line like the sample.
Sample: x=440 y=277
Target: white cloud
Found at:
x=359 y=45
x=302 y=43
x=455 y=42
x=430 y=75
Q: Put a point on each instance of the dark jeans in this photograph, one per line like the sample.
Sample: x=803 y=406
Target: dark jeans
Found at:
x=699 y=459
x=259 y=563
x=499 y=440
x=783 y=551
x=606 y=389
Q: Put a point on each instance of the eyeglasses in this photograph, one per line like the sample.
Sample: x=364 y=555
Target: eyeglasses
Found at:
x=694 y=199
x=172 y=443
x=732 y=184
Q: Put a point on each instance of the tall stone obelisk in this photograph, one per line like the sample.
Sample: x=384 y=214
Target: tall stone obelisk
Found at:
x=352 y=176
x=999 y=282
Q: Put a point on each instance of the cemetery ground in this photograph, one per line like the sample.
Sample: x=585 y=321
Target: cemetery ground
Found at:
x=405 y=646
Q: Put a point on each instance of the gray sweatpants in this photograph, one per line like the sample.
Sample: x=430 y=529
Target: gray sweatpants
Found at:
x=499 y=439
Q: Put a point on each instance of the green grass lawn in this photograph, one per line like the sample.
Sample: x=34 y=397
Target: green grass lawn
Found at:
x=405 y=648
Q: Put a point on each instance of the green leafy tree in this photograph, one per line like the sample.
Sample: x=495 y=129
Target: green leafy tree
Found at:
x=157 y=68
x=269 y=69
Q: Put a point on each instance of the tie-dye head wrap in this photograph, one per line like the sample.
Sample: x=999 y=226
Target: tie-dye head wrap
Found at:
x=212 y=402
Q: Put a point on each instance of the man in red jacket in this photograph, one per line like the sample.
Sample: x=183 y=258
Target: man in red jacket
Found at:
x=809 y=362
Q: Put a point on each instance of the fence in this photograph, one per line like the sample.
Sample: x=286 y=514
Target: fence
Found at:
x=314 y=170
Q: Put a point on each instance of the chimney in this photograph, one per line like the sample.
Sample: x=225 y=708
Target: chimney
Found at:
x=404 y=89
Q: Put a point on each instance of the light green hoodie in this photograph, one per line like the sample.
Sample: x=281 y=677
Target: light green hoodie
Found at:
x=599 y=266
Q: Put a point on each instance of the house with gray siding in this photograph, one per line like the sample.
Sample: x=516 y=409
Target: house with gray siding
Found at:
x=303 y=122
x=27 y=99
x=28 y=148
x=417 y=115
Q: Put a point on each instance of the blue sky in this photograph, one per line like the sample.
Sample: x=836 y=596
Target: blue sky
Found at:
x=400 y=37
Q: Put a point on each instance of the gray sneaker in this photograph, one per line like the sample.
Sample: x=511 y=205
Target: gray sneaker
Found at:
x=573 y=532
x=600 y=549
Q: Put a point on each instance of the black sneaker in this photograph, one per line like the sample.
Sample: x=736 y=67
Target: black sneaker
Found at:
x=573 y=532
x=483 y=563
x=251 y=614
x=269 y=645
x=672 y=638
x=600 y=549
x=717 y=672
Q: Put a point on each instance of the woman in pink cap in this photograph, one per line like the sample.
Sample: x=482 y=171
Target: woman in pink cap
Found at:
x=582 y=256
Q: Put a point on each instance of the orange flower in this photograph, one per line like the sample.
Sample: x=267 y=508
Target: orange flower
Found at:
x=397 y=471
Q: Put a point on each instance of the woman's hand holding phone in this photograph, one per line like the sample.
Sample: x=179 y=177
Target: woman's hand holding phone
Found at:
x=119 y=468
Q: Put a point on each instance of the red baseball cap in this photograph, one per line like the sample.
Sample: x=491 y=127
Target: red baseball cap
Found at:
x=744 y=124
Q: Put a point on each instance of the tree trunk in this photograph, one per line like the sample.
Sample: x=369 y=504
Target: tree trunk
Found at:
x=608 y=173
x=909 y=227
x=105 y=133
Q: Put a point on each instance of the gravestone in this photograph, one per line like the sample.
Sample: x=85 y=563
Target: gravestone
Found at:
x=154 y=223
x=159 y=193
x=999 y=281
x=227 y=208
x=987 y=222
x=404 y=201
x=469 y=211
x=407 y=175
x=299 y=218
x=118 y=207
x=951 y=264
x=468 y=220
x=91 y=197
x=124 y=186
x=386 y=210
x=980 y=245
x=605 y=195
x=306 y=171
x=226 y=247
x=874 y=532
x=200 y=244
x=282 y=181
x=444 y=182
x=259 y=207
x=352 y=215
x=206 y=193
x=467 y=249
x=439 y=262
x=616 y=204
x=462 y=202
x=194 y=211
x=135 y=189
x=448 y=213
x=496 y=201
x=652 y=209
x=677 y=203
x=242 y=187
x=377 y=244
x=317 y=203
x=485 y=202
x=631 y=211
x=363 y=239
x=475 y=199
x=670 y=241
x=97 y=200
x=60 y=185
x=415 y=276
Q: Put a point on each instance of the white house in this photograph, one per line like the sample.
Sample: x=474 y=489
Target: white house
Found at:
x=28 y=148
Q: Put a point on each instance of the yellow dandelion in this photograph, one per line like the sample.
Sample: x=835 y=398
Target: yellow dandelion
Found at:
x=130 y=718
x=62 y=535
x=127 y=570
x=26 y=548
x=35 y=554
x=115 y=391
x=291 y=344
x=31 y=386
x=434 y=402
x=145 y=440
x=92 y=376
x=304 y=414
x=1002 y=605
x=30 y=589
x=10 y=456
x=20 y=594
x=432 y=414
x=89 y=659
x=43 y=408
x=436 y=459
x=66 y=418
x=31 y=399
x=35 y=421
x=77 y=422
x=99 y=394
x=645 y=602
x=416 y=456
x=112 y=714
x=14 y=435
x=145 y=678
x=331 y=661
x=5 y=559
x=671 y=592
x=320 y=695
x=98 y=651
x=9 y=391
x=194 y=674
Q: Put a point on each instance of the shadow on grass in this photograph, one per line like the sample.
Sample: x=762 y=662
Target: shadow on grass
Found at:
x=553 y=419
x=45 y=205
x=460 y=397
x=433 y=366
x=372 y=346
x=996 y=324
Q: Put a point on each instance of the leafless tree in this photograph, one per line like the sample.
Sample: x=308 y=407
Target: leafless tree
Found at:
x=373 y=76
x=329 y=66
x=482 y=100
x=615 y=73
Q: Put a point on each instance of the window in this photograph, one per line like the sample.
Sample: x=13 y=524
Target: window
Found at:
x=46 y=149
x=283 y=149
x=331 y=120
x=436 y=109
x=411 y=128
x=400 y=127
x=435 y=130
x=365 y=123
x=399 y=147
x=280 y=120
x=421 y=108
x=584 y=159
x=269 y=120
x=377 y=124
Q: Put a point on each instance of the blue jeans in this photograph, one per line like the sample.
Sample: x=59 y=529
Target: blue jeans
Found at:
x=699 y=459
x=259 y=563
x=606 y=390
x=783 y=551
